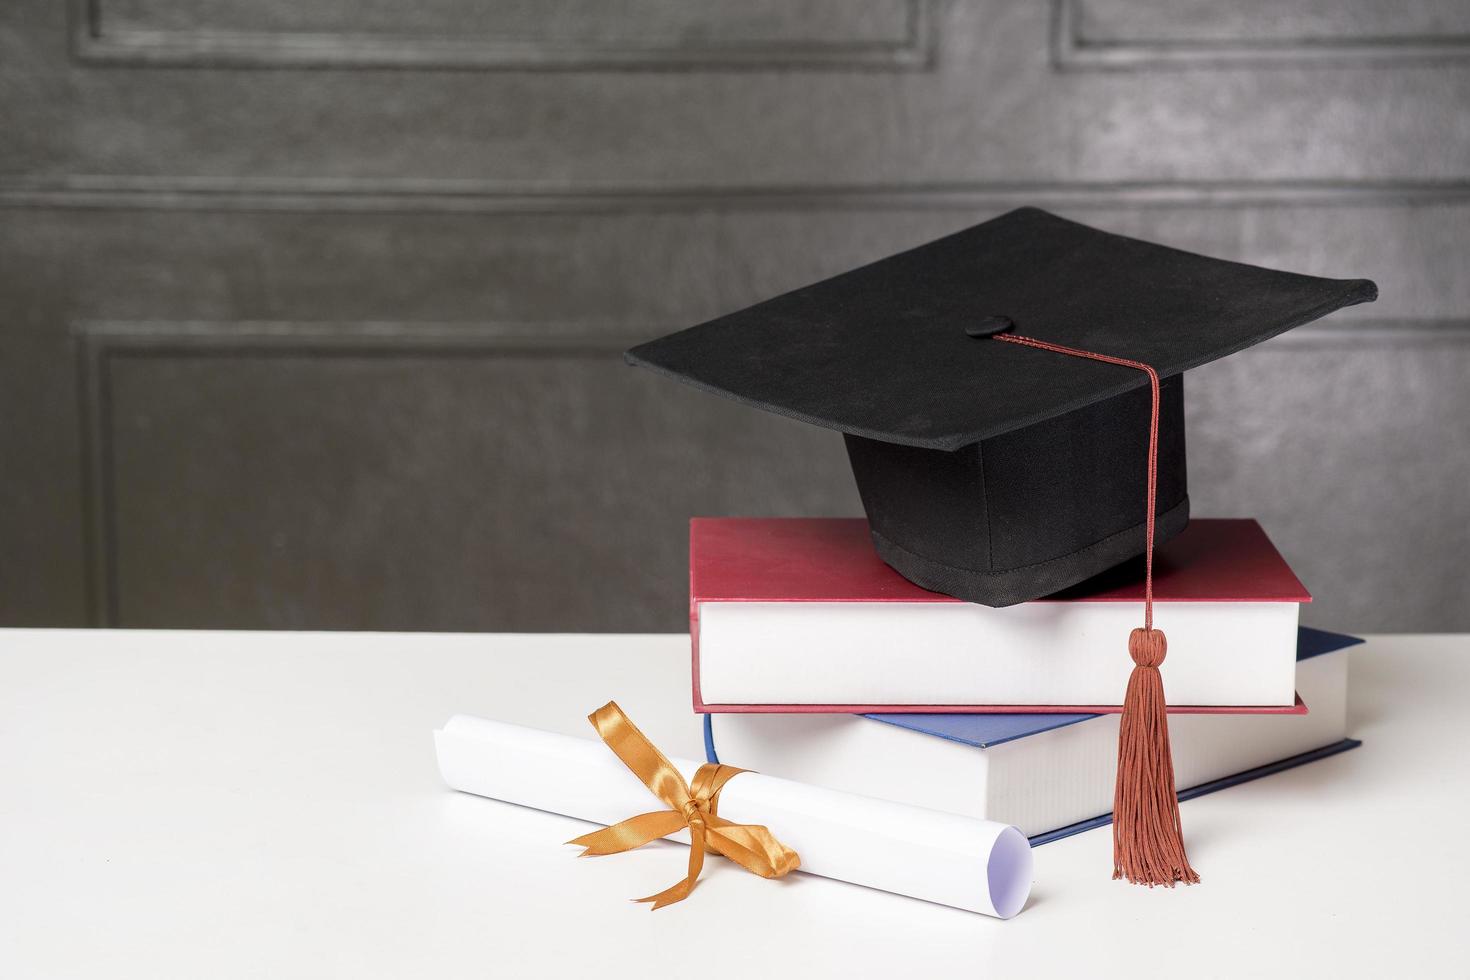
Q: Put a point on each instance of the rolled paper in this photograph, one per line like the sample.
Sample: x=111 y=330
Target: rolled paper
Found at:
x=975 y=865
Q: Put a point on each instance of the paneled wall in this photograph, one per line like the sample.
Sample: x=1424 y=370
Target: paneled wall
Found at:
x=310 y=313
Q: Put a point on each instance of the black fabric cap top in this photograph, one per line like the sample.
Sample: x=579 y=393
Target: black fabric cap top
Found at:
x=991 y=471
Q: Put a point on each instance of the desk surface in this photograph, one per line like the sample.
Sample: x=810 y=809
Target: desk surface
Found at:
x=266 y=804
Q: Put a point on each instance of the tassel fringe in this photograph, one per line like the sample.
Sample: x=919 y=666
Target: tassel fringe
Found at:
x=1148 y=841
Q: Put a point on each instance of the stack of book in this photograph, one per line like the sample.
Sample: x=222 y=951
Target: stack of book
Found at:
x=814 y=660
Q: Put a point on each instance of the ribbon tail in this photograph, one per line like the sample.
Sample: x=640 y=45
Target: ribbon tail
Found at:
x=630 y=833
x=669 y=896
x=680 y=891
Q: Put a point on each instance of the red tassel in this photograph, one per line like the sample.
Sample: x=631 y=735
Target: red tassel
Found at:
x=1148 y=841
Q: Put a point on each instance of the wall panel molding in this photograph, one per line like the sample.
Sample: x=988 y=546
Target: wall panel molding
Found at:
x=1073 y=50
x=94 y=42
x=99 y=343
x=417 y=195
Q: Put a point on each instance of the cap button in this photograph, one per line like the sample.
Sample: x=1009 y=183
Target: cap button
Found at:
x=989 y=326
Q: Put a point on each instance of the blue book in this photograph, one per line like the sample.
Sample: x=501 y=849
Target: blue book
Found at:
x=1049 y=774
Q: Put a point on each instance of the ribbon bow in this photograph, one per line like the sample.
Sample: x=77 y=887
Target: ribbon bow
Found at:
x=753 y=848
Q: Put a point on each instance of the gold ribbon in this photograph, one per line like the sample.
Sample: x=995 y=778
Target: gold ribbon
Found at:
x=753 y=848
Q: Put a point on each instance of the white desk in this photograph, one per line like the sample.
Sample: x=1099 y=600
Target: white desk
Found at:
x=211 y=805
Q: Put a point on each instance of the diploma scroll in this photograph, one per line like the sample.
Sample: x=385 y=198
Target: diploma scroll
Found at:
x=976 y=865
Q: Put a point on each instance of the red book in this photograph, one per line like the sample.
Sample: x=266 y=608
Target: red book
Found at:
x=800 y=614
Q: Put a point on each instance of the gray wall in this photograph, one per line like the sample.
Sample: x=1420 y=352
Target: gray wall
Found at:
x=310 y=312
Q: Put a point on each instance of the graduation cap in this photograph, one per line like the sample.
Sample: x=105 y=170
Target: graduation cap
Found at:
x=1012 y=401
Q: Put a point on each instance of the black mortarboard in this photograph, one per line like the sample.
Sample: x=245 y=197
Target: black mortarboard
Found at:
x=989 y=471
